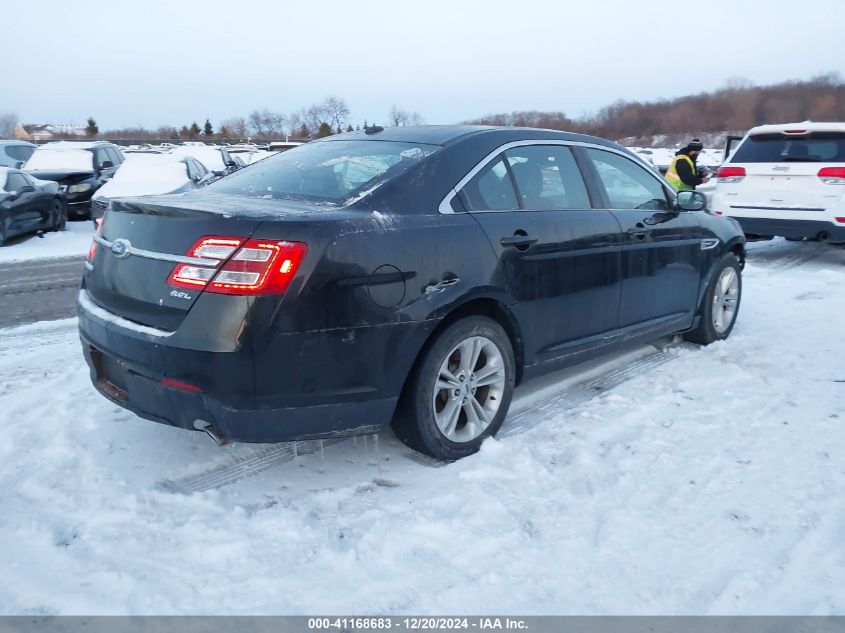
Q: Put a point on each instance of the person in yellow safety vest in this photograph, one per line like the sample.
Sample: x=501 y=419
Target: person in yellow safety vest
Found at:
x=683 y=172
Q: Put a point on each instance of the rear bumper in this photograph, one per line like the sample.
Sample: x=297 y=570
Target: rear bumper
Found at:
x=150 y=399
x=796 y=228
x=332 y=392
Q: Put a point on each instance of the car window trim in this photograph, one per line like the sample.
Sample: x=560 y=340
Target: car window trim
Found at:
x=445 y=205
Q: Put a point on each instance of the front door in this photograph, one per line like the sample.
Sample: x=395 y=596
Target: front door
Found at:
x=661 y=257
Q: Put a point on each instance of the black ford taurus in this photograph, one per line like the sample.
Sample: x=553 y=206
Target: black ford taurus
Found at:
x=409 y=276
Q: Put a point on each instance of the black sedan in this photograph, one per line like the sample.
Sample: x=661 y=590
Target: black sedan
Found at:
x=28 y=205
x=410 y=276
x=81 y=167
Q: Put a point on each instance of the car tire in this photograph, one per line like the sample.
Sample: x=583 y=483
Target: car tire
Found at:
x=2 y=234
x=59 y=215
x=720 y=304
x=459 y=391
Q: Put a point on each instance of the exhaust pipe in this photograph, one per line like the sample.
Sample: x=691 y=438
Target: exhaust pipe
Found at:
x=824 y=236
x=214 y=434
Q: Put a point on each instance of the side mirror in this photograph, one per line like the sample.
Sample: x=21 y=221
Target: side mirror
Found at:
x=691 y=200
x=26 y=189
x=231 y=163
x=106 y=164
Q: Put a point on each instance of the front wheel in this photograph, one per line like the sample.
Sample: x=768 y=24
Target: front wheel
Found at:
x=720 y=304
x=59 y=216
x=460 y=390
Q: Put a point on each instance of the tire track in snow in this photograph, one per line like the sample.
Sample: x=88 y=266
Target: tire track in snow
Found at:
x=264 y=457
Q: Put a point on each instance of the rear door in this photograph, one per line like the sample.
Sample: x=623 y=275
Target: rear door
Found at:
x=661 y=257
x=783 y=175
x=558 y=256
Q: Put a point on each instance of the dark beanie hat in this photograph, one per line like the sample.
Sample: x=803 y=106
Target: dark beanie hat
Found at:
x=695 y=144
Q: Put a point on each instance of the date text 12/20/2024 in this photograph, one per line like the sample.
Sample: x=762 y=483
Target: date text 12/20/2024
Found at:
x=416 y=624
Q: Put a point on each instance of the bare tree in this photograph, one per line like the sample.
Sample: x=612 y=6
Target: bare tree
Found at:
x=267 y=124
x=336 y=111
x=236 y=126
x=314 y=117
x=398 y=117
x=8 y=122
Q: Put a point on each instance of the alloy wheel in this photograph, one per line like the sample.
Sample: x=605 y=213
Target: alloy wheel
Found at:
x=725 y=300
x=469 y=388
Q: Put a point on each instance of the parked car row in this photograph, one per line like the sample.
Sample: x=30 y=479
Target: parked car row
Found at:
x=82 y=177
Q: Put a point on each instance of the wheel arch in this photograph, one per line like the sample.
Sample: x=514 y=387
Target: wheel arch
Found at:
x=478 y=306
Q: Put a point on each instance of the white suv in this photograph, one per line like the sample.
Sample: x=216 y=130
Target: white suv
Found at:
x=786 y=180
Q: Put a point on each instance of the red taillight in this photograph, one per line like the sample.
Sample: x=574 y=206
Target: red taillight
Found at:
x=182 y=386
x=832 y=175
x=93 y=250
x=250 y=267
x=795 y=131
x=730 y=174
x=840 y=220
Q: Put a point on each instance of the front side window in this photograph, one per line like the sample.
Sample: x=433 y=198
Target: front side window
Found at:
x=102 y=157
x=491 y=189
x=330 y=171
x=628 y=185
x=14 y=182
x=114 y=156
x=547 y=177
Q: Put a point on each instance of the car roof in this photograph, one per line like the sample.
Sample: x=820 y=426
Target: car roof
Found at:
x=446 y=134
x=808 y=126
x=75 y=144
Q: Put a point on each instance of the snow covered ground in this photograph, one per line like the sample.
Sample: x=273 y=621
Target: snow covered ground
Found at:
x=683 y=481
x=76 y=240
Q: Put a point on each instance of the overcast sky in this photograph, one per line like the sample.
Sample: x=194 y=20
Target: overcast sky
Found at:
x=155 y=62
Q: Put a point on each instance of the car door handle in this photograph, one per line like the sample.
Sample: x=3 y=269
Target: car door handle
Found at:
x=639 y=232
x=517 y=240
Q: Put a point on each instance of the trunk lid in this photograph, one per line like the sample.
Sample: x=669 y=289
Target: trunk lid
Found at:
x=135 y=286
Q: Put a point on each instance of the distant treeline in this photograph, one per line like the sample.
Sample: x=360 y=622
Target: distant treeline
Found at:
x=739 y=105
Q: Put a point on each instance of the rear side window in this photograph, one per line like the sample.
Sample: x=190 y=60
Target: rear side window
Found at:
x=332 y=171
x=491 y=189
x=628 y=184
x=547 y=177
x=816 y=147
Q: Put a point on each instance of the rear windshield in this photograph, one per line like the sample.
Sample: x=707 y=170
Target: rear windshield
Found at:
x=330 y=171
x=816 y=147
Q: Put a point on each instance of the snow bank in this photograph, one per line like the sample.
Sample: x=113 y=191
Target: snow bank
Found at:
x=75 y=240
x=709 y=484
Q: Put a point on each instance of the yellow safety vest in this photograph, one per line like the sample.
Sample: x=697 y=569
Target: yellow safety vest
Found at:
x=672 y=173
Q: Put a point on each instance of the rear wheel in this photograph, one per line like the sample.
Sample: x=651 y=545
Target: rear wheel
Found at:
x=460 y=391
x=2 y=234
x=720 y=304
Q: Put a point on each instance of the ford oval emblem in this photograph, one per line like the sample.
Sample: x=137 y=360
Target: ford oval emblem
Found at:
x=120 y=248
